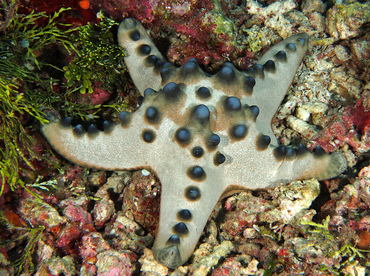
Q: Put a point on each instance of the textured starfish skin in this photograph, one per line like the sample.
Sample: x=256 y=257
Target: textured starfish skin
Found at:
x=204 y=136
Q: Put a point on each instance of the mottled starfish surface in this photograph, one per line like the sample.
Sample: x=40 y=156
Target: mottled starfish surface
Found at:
x=203 y=135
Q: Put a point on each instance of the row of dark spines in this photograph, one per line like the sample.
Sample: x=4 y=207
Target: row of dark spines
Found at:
x=227 y=73
x=201 y=112
x=183 y=136
x=290 y=153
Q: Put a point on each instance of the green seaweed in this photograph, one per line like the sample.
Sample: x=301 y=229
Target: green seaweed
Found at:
x=27 y=92
x=49 y=185
x=270 y=266
x=98 y=59
x=27 y=235
x=332 y=246
x=24 y=92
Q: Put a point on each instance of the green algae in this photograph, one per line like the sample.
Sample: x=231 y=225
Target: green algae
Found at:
x=333 y=247
x=346 y=20
x=24 y=92
x=223 y=24
x=27 y=91
x=99 y=58
x=28 y=235
x=254 y=39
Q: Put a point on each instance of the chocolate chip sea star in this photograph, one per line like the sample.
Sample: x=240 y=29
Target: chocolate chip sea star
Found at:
x=204 y=136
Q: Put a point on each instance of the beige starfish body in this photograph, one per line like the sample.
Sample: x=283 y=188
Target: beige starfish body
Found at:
x=203 y=135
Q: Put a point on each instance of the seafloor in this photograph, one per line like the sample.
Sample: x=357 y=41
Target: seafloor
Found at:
x=104 y=223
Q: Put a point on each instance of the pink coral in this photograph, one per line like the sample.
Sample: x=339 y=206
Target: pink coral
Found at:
x=141 y=199
x=194 y=28
x=346 y=128
x=99 y=95
x=92 y=244
x=68 y=237
x=113 y=263
x=79 y=215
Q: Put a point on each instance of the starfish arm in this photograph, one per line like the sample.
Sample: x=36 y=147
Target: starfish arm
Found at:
x=273 y=75
x=104 y=151
x=255 y=165
x=311 y=165
x=143 y=59
x=117 y=147
x=184 y=211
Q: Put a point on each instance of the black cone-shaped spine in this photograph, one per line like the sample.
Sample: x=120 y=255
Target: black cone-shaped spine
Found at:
x=172 y=91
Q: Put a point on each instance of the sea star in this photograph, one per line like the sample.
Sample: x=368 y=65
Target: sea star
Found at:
x=204 y=136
